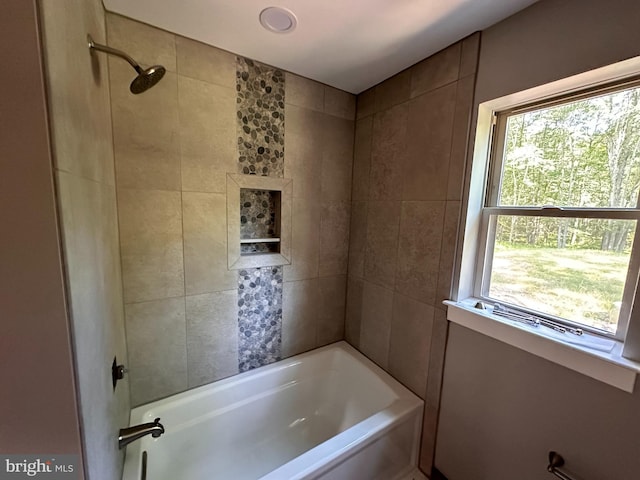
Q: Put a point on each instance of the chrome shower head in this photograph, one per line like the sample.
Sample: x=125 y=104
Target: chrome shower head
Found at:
x=145 y=79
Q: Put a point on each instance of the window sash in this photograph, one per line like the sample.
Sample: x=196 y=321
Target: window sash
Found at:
x=628 y=83
x=491 y=209
x=499 y=133
x=565 y=212
x=469 y=253
x=487 y=245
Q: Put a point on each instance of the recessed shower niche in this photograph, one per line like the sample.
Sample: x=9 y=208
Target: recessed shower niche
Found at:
x=259 y=221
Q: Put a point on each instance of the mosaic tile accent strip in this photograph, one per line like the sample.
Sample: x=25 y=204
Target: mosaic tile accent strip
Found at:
x=260 y=111
x=259 y=317
x=257 y=213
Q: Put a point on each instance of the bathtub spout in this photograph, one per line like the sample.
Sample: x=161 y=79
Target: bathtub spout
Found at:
x=128 y=435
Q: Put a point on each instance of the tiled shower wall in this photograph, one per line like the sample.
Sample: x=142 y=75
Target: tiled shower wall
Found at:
x=174 y=145
x=410 y=145
x=79 y=109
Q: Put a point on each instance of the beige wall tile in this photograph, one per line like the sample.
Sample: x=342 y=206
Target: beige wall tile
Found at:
x=353 y=314
x=436 y=71
x=207 y=134
x=469 y=55
x=300 y=302
x=362 y=159
x=434 y=388
x=425 y=175
x=375 y=327
x=145 y=131
x=393 y=91
x=204 y=62
x=357 y=238
x=460 y=136
x=151 y=244
x=79 y=114
x=156 y=340
x=92 y=261
x=89 y=222
x=145 y=44
x=337 y=158
x=303 y=92
x=411 y=329
x=331 y=312
x=419 y=250
x=388 y=153
x=448 y=251
x=305 y=240
x=366 y=103
x=383 y=221
x=205 y=243
x=304 y=147
x=81 y=130
x=339 y=103
x=334 y=238
x=212 y=337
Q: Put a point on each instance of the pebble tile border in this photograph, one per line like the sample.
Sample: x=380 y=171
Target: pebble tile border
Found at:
x=260 y=118
x=259 y=317
x=257 y=213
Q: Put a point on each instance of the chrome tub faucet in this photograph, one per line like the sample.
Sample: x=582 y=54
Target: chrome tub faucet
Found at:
x=128 y=435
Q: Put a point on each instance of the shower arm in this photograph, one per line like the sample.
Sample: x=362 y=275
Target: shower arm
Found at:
x=113 y=51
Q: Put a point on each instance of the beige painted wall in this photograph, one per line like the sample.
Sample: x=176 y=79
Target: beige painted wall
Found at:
x=503 y=409
x=78 y=93
x=409 y=154
x=38 y=401
x=174 y=145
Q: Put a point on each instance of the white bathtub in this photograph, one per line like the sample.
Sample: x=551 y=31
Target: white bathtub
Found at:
x=329 y=413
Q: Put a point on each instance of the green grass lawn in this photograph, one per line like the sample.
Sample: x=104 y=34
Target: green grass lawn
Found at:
x=581 y=285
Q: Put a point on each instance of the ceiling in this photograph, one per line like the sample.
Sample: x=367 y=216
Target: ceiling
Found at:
x=348 y=44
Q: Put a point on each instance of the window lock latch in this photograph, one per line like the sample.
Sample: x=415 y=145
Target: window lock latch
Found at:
x=502 y=311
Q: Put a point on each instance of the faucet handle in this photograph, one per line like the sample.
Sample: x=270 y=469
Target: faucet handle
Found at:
x=157 y=421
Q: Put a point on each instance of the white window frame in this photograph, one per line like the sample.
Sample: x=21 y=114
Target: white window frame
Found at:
x=610 y=367
x=491 y=207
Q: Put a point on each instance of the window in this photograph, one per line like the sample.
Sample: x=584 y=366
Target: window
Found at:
x=561 y=209
x=549 y=258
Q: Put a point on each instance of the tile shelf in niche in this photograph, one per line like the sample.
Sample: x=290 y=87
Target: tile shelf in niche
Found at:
x=259 y=240
x=259 y=221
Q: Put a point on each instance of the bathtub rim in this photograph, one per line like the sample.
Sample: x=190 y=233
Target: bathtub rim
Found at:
x=349 y=442
x=324 y=457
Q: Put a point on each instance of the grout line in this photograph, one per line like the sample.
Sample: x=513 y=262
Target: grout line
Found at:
x=117 y=219
x=367 y=201
x=175 y=50
x=446 y=201
x=86 y=178
x=236 y=70
x=451 y=139
x=182 y=212
x=186 y=341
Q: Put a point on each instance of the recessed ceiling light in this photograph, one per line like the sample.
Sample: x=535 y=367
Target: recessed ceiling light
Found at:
x=278 y=20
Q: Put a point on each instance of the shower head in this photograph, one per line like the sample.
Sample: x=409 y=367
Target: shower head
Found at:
x=145 y=79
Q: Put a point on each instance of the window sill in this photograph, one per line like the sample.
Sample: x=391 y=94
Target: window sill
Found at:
x=608 y=367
